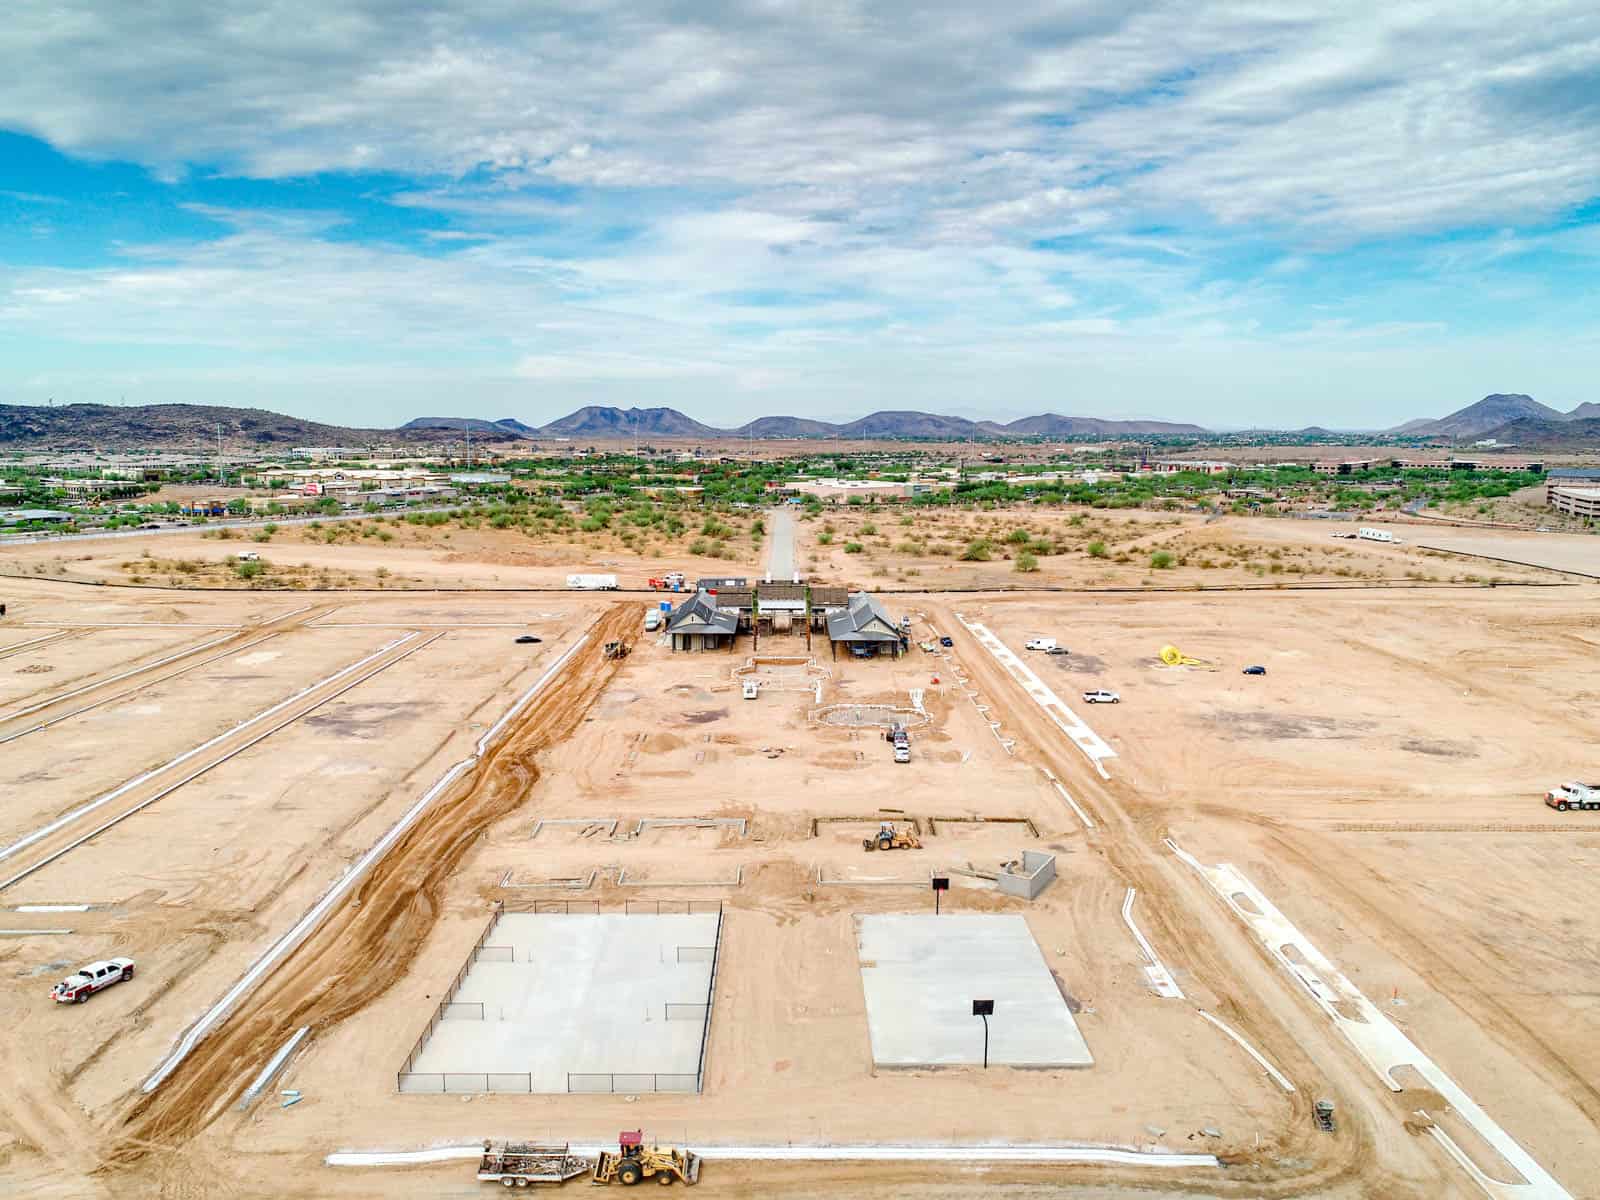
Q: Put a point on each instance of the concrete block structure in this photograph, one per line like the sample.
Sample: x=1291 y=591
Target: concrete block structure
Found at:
x=1036 y=872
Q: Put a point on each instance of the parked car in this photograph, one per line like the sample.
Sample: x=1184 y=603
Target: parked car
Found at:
x=95 y=977
x=1101 y=696
x=528 y=639
x=1058 y=650
x=1255 y=670
x=947 y=641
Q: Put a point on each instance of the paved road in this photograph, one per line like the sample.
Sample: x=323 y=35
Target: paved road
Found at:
x=29 y=539
x=780 y=555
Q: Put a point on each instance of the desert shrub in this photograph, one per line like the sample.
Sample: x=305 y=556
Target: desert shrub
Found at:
x=1019 y=537
x=853 y=547
x=699 y=547
x=825 y=538
x=1026 y=563
x=1097 y=549
x=1161 y=560
x=978 y=550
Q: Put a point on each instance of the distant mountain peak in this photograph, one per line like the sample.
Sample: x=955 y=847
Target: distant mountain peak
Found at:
x=1488 y=414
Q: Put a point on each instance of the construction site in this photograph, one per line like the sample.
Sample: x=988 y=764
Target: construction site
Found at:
x=417 y=902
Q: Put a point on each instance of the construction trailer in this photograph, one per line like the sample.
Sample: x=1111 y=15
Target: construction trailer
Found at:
x=518 y=1164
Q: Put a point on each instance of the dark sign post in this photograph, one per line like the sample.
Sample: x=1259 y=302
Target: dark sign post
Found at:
x=984 y=1009
x=941 y=883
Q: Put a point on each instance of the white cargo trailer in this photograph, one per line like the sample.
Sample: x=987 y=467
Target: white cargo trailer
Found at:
x=592 y=583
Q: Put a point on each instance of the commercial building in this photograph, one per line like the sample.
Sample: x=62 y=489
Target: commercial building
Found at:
x=1201 y=466
x=1575 y=501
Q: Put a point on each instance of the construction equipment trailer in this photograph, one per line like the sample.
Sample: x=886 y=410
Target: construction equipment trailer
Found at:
x=633 y=1162
x=518 y=1164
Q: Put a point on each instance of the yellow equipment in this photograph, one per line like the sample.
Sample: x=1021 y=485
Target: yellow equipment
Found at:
x=633 y=1162
x=617 y=649
x=890 y=838
x=1173 y=657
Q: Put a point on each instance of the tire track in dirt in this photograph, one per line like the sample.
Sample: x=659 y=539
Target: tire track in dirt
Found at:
x=371 y=940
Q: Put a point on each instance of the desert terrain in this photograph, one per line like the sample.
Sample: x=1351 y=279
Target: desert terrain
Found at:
x=302 y=807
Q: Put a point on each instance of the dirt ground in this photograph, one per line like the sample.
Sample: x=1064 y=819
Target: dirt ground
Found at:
x=1381 y=783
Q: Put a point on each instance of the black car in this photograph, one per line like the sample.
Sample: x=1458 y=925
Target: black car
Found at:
x=947 y=641
x=528 y=639
x=1255 y=670
x=1058 y=650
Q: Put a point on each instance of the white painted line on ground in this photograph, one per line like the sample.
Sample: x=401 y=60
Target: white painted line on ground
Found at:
x=274 y=1065
x=132 y=625
x=314 y=916
x=1156 y=972
x=210 y=766
x=122 y=789
x=1091 y=743
x=1375 y=1038
x=1278 y=1076
x=802 y=1153
x=99 y=683
x=1088 y=821
x=417 y=625
x=16 y=647
x=138 y=687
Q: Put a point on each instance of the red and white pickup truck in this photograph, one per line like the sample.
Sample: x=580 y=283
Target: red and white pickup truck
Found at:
x=97 y=976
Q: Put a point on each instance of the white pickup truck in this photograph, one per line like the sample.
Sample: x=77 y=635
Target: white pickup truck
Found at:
x=95 y=977
x=1573 y=795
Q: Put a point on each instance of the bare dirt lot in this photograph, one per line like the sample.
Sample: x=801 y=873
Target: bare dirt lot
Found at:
x=1381 y=784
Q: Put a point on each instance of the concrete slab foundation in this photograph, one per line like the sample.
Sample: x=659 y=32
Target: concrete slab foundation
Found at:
x=922 y=973
x=577 y=1002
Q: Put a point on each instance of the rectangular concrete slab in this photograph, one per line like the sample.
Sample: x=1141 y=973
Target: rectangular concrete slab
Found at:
x=922 y=973
x=585 y=994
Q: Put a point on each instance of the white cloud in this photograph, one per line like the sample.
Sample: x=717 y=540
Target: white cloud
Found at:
x=1349 y=119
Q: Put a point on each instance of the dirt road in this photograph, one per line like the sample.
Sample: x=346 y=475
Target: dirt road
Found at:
x=361 y=947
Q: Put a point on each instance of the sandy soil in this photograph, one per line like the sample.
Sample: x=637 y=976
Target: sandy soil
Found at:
x=1381 y=783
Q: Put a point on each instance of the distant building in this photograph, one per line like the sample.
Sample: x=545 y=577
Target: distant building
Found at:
x=1574 y=501
x=44 y=516
x=1202 y=466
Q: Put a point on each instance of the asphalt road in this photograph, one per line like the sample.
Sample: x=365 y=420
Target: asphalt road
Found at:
x=780 y=554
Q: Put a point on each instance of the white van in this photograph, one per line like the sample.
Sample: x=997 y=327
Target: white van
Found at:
x=752 y=689
x=1040 y=644
x=652 y=620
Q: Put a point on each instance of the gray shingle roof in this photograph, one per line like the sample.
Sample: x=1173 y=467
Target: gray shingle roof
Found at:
x=701 y=615
x=862 y=620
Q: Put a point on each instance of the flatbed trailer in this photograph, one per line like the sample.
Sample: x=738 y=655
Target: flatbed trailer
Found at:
x=519 y=1164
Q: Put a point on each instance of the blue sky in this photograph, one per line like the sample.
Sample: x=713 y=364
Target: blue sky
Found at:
x=368 y=211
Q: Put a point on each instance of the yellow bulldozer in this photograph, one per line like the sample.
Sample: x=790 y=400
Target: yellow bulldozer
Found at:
x=890 y=838
x=634 y=1162
x=617 y=649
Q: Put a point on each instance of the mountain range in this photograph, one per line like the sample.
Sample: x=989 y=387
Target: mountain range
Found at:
x=1494 y=416
x=597 y=421
x=1511 y=418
